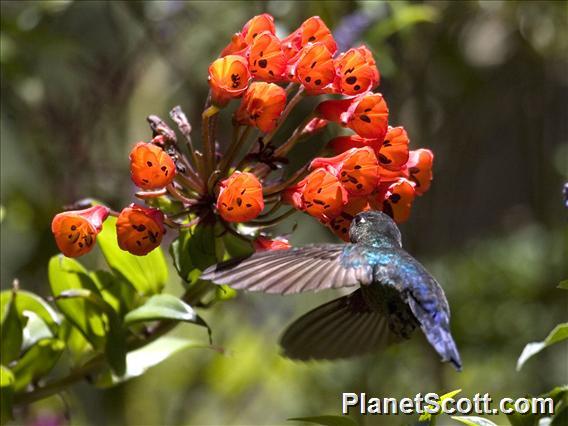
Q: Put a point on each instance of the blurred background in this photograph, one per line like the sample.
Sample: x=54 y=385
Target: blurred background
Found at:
x=482 y=84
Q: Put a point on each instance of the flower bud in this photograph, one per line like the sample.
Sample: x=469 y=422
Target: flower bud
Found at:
x=150 y=166
x=240 y=198
x=76 y=231
x=228 y=79
x=139 y=229
x=262 y=106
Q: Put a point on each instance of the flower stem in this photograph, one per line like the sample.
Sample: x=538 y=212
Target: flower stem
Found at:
x=272 y=222
x=236 y=143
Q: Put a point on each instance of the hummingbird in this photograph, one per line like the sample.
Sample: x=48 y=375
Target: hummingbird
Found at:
x=396 y=293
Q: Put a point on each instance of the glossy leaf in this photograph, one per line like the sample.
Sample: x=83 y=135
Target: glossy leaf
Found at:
x=426 y=416
x=12 y=327
x=148 y=274
x=140 y=360
x=326 y=420
x=35 y=330
x=28 y=301
x=194 y=249
x=115 y=290
x=164 y=307
x=6 y=393
x=115 y=342
x=37 y=362
x=67 y=275
x=559 y=334
x=474 y=421
x=78 y=347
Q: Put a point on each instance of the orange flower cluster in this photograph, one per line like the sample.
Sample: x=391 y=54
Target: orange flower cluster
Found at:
x=379 y=173
x=305 y=57
x=373 y=167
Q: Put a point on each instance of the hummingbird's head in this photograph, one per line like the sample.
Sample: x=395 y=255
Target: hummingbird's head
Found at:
x=371 y=227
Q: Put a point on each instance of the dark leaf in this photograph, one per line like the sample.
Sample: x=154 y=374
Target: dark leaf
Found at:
x=12 y=336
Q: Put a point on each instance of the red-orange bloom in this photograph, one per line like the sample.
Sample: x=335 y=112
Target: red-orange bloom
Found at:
x=395 y=199
x=366 y=114
x=314 y=68
x=76 y=231
x=340 y=224
x=393 y=154
x=356 y=71
x=228 y=78
x=240 y=198
x=262 y=106
x=312 y=30
x=139 y=229
x=266 y=244
x=150 y=166
x=320 y=194
x=420 y=169
x=357 y=169
x=257 y=25
x=267 y=60
x=237 y=46
x=341 y=144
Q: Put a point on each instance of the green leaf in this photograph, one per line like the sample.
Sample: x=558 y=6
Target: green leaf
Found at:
x=65 y=277
x=563 y=285
x=36 y=329
x=6 y=393
x=194 y=249
x=326 y=420
x=37 y=362
x=11 y=335
x=474 y=421
x=148 y=274
x=28 y=301
x=426 y=416
x=236 y=247
x=140 y=360
x=116 y=291
x=165 y=307
x=77 y=346
x=115 y=342
x=559 y=334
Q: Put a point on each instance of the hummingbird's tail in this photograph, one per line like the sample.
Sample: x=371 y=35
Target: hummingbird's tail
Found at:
x=436 y=326
x=342 y=328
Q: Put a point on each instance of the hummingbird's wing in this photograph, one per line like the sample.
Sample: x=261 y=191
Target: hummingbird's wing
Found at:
x=309 y=268
x=349 y=326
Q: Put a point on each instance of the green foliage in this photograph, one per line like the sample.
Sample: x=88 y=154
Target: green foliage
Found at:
x=431 y=418
x=11 y=331
x=37 y=362
x=327 y=420
x=193 y=251
x=473 y=421
x=559 y=334
x=147 y=274
x=7 y=381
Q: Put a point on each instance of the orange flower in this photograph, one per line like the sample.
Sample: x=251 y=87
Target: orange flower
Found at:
x=320 y=194
x=312 y=30
x=420 y=169
x=237 y=46
x=76 y=231
x=267 y=60
x=262 y=106
x=228 y=79
x=357 y=71
x=314 y=68
x=139 y=229
x=240 y=198
x=366 y=114
x=257 y=25
x=393 y=154
x=341 y=144
x=340 y=224
x=264 y=244
x=357 y=169
x=395 y=199
x=150 y=166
